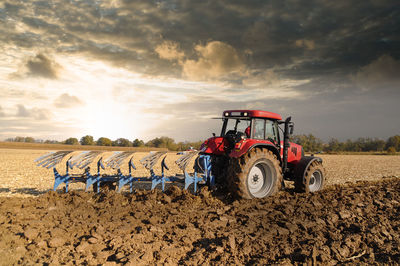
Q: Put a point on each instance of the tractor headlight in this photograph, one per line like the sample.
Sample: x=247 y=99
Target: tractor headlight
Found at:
x=226 y=114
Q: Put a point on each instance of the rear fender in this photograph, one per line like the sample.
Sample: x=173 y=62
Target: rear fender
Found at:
x=302 y=166
x=268 y=147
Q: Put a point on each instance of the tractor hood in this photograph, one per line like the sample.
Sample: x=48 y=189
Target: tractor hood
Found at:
x=214 y=145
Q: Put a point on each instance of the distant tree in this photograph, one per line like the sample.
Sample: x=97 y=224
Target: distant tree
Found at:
x=71 y=141
x=50 y=141
x=182 y=146
x=104 y=142
x=376 y=145
x=309 y=142
x=19 y=139
x=29 y=140
x=394 y=142
x=391 y=150
x=87 y=140
x=138 y=143
x=121 y=142
x=162 y=142
x=334 y=146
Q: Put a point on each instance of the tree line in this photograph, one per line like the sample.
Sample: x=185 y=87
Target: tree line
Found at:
x=159 y=142
x=311 y=143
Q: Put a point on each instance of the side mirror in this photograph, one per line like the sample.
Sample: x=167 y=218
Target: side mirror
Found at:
x=213 y=134
x=291 y=129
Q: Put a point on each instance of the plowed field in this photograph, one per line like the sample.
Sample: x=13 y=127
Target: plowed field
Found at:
x=355 y=219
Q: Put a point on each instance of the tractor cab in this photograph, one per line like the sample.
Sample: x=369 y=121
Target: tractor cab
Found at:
x=250 y=128
x=243 y=130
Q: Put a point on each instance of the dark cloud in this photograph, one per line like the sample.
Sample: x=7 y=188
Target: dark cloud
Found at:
x=380 y=74
x=35 y=113
x=42 y=66
x=313 y=36
x=67 y=101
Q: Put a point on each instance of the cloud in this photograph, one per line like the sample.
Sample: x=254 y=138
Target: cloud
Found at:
x=308 y=44
x=35 y=113
x=22 y=111
x=215 y=59
x=169 y=50
x=382 y=73
x=126 y=33
x=39 y=65
x=42 y=66
x=67 y=101
x=260 y=79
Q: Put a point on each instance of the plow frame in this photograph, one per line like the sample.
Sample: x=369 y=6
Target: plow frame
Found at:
x=82 y=161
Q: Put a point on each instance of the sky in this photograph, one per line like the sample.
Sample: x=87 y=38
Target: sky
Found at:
x=144 y=69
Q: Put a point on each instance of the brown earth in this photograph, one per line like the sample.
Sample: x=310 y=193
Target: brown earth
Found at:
x=353 y=223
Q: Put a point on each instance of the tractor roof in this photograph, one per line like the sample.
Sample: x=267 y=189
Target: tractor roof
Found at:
x=251 y=113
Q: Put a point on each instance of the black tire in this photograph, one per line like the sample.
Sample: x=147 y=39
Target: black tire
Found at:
x=314 y=178
x=219 y=166
x=256 y=174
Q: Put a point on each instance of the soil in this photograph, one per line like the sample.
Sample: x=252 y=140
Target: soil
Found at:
x=352 y=223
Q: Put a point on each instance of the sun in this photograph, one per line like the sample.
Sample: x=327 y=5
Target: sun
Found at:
x=111 y=120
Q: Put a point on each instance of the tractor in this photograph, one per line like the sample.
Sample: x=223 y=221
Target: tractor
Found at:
x=253 y=155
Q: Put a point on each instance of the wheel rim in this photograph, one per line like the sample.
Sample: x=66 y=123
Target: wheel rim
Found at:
x=315 y=182
x=260 y=180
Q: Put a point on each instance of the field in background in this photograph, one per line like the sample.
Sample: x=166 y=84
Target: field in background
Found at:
x=19 y=176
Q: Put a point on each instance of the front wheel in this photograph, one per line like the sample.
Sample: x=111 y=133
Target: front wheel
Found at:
x=314 y=178
x=257 y=174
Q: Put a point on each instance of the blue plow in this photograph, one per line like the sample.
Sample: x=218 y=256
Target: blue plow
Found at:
x=82 y=161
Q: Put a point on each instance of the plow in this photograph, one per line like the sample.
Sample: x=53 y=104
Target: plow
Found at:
x=252 y=156
x=81 y=161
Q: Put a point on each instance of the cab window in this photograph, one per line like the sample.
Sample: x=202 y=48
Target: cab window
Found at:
x=270 y=130
x=259 y=128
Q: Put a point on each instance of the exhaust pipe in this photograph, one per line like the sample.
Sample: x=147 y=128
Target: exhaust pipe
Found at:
x=286 y=144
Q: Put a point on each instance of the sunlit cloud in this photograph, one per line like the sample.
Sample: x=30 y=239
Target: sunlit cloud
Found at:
x=215 y=60
x=35 y=113
x=169 y=50
x=67 y=101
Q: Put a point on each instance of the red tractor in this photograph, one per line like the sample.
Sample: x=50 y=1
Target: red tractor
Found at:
x=255 y=156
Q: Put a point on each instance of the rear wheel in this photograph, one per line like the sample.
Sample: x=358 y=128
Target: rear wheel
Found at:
x=257 y=174
x=314 y=178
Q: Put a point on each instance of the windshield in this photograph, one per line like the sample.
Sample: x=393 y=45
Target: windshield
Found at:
x=237 y=125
